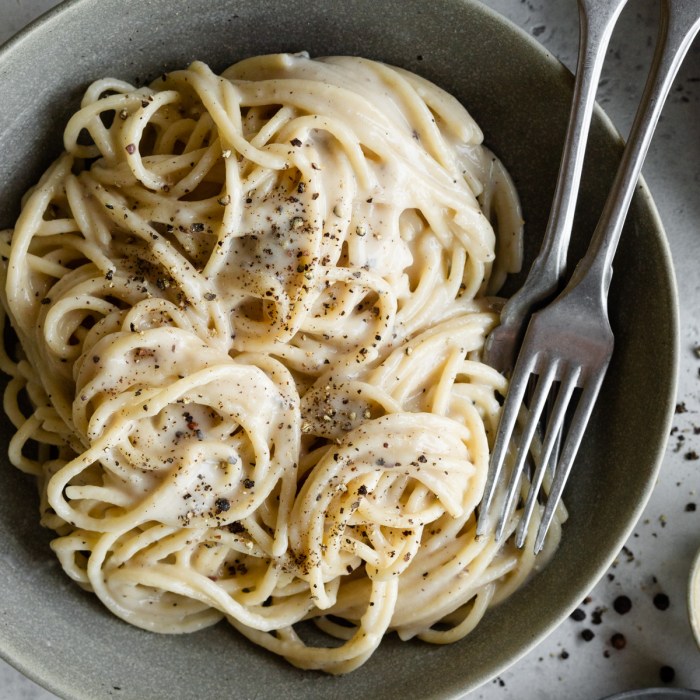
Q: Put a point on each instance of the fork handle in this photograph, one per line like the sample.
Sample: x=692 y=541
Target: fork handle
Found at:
x=680 y=22
x=597 y=19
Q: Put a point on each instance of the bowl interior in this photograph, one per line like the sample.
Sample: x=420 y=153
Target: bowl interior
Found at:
x=520 y=95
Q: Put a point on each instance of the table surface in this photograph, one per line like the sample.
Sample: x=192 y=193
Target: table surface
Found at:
x=657 y=558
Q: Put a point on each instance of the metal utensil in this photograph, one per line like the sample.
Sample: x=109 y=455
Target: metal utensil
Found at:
x=568 y=345
x=597 y=19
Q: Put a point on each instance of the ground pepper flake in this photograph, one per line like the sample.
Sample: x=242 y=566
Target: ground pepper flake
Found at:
x=618 y=640
x=587 y=635
x=597 y=616
x=667 y=674
x=622 y=604
x=222 y=505
x=661 y=601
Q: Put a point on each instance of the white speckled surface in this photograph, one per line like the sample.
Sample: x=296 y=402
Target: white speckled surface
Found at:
x=658 y=556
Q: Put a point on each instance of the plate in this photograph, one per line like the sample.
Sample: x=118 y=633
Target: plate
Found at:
x=657 y=694
x=694 y=598
x=59 y=635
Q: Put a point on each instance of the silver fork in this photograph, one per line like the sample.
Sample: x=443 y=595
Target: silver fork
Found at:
x=597 y=20
x=570 y=342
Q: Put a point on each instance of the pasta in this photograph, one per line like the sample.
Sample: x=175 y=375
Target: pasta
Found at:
x=250 y=311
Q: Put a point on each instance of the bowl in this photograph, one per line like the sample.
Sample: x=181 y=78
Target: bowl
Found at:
x=59 y=635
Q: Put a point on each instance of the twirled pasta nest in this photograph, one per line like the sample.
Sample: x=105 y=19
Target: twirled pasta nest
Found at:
x=251 y=309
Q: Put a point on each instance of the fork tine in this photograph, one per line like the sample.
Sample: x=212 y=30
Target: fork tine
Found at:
x=553 y=434
x=509 y=416
x=534 y=411
x=556 y=450
x=579 y=422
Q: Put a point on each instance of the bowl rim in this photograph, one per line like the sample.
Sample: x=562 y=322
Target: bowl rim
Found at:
x=26 y=665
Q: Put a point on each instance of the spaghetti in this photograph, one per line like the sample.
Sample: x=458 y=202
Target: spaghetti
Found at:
x=251 y=308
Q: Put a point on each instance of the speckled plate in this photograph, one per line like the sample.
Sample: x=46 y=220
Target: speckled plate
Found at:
x=61 y=636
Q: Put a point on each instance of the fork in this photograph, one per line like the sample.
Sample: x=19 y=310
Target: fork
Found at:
x=597 y=19
x=570 y=341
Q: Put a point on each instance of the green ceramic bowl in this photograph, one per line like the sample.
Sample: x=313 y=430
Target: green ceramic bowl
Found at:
x=60 y=636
